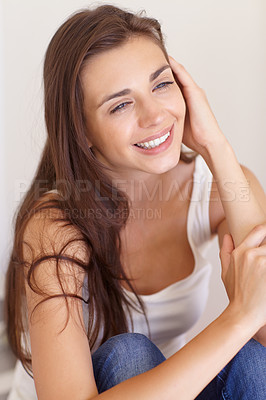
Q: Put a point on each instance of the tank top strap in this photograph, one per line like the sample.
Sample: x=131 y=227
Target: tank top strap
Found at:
x=198 y=224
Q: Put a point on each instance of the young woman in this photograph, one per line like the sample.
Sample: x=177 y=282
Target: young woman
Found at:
x=108 y=271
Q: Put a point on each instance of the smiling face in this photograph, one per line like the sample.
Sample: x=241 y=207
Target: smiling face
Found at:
x=134 y=109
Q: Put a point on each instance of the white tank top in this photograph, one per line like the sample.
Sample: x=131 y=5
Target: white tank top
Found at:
x=172 y=311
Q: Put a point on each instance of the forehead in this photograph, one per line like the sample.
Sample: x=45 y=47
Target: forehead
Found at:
x=122 y=66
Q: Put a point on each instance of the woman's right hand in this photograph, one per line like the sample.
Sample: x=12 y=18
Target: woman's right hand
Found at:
x=244 y=274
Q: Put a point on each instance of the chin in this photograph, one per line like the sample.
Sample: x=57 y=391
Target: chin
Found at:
x=166 y=165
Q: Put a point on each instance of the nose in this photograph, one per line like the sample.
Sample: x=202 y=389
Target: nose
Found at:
x=150 y=113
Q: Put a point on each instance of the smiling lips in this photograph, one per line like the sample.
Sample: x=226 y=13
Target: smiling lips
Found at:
x=153 y=143
x=156 y=140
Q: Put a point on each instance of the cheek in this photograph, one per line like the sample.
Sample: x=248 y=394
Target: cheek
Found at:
x=109 y=135
x=119 y=129
x=90 y=129
x=97 y=131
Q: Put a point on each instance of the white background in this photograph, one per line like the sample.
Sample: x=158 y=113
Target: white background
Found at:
x=222 y=44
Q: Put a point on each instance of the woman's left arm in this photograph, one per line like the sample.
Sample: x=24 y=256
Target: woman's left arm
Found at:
x=241 y=195
x=218 y=221
x=242 y=198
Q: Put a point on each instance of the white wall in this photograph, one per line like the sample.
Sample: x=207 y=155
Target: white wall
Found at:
x=222 y=44
x=3 y=205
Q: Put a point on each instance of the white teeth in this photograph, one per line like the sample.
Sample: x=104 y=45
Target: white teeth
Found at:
x=153 y=143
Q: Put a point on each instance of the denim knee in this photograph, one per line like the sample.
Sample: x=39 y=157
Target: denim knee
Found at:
x=123 y=356
x=245 y=375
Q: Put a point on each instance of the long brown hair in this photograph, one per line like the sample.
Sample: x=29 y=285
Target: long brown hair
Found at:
x=66 y=162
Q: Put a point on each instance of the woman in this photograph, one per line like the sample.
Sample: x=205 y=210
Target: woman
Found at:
x=110 y=237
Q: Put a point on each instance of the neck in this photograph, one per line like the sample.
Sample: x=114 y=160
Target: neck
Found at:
x=150 y=190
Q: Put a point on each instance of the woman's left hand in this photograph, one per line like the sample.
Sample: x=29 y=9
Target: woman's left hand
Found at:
x=201 y=129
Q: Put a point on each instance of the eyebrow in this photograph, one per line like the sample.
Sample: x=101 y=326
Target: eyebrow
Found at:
x=124 y=92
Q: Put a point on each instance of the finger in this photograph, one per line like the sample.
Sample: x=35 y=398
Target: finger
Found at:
x=181 y=73
x=225 y=252
x=255 y=237
x=257 y=252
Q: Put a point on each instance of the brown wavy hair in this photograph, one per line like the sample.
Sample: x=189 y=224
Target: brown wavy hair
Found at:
x=99 y=211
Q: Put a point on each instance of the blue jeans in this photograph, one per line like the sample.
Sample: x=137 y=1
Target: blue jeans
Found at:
x=123 y=356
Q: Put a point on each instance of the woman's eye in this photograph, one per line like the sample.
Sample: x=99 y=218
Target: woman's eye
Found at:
x=163 y=85
x=120 y=107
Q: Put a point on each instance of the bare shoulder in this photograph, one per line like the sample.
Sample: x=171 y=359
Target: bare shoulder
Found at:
x=48 y=230
x=54 y=253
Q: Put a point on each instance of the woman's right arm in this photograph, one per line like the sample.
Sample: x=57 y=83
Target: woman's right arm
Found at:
x=61 y=360
x=62 y=363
